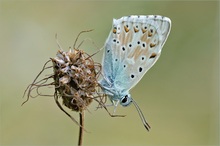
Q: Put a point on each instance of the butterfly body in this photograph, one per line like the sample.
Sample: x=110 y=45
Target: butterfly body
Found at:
x=131 y=49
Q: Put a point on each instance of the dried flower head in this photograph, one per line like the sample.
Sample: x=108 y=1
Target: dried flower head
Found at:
x=74 y=77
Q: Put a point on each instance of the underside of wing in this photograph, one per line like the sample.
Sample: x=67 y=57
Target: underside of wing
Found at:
x=133 y=46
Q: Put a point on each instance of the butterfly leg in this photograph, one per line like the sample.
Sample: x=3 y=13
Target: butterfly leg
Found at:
x=114 y=115
x=102 y=105
x=115 y=103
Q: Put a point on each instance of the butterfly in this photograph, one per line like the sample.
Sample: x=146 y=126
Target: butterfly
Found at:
x=131 y=49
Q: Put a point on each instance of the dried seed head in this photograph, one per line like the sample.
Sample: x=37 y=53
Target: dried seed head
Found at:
x=75 y=77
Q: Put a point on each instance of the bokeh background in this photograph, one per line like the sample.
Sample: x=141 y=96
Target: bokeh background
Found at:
x=179 y=95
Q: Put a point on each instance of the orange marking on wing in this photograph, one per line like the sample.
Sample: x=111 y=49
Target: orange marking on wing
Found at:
x=153 y=55
x=144 y=30
x=114 y=31
x=152 y=45
x=126 y=29
x=149 y=34
x=136 y=30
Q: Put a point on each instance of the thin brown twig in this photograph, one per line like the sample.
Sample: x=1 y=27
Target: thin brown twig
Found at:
x=81 y=128
x=74 y=45
x=58 y=104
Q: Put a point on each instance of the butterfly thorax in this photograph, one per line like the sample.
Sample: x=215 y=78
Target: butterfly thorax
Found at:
x=115 y=93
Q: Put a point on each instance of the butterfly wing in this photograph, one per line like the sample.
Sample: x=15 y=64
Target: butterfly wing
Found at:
x=133 y=46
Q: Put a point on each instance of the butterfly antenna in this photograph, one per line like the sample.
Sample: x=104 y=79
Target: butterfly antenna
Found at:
x=146 y=125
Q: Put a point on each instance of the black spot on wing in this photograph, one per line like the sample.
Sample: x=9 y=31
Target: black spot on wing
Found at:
x=140 y=69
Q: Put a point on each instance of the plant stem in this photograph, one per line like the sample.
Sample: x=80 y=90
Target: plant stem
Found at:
x=81 y=128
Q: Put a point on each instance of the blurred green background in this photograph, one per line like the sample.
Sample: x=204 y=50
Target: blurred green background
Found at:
x=179 y=95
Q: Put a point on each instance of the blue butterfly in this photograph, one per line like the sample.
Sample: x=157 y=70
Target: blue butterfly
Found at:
x=133 y=46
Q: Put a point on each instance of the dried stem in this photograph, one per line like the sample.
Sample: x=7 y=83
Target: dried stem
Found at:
x=37 y=84
x=81 y=128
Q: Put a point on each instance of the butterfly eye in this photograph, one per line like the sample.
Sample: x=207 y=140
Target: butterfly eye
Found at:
x=126 y=100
